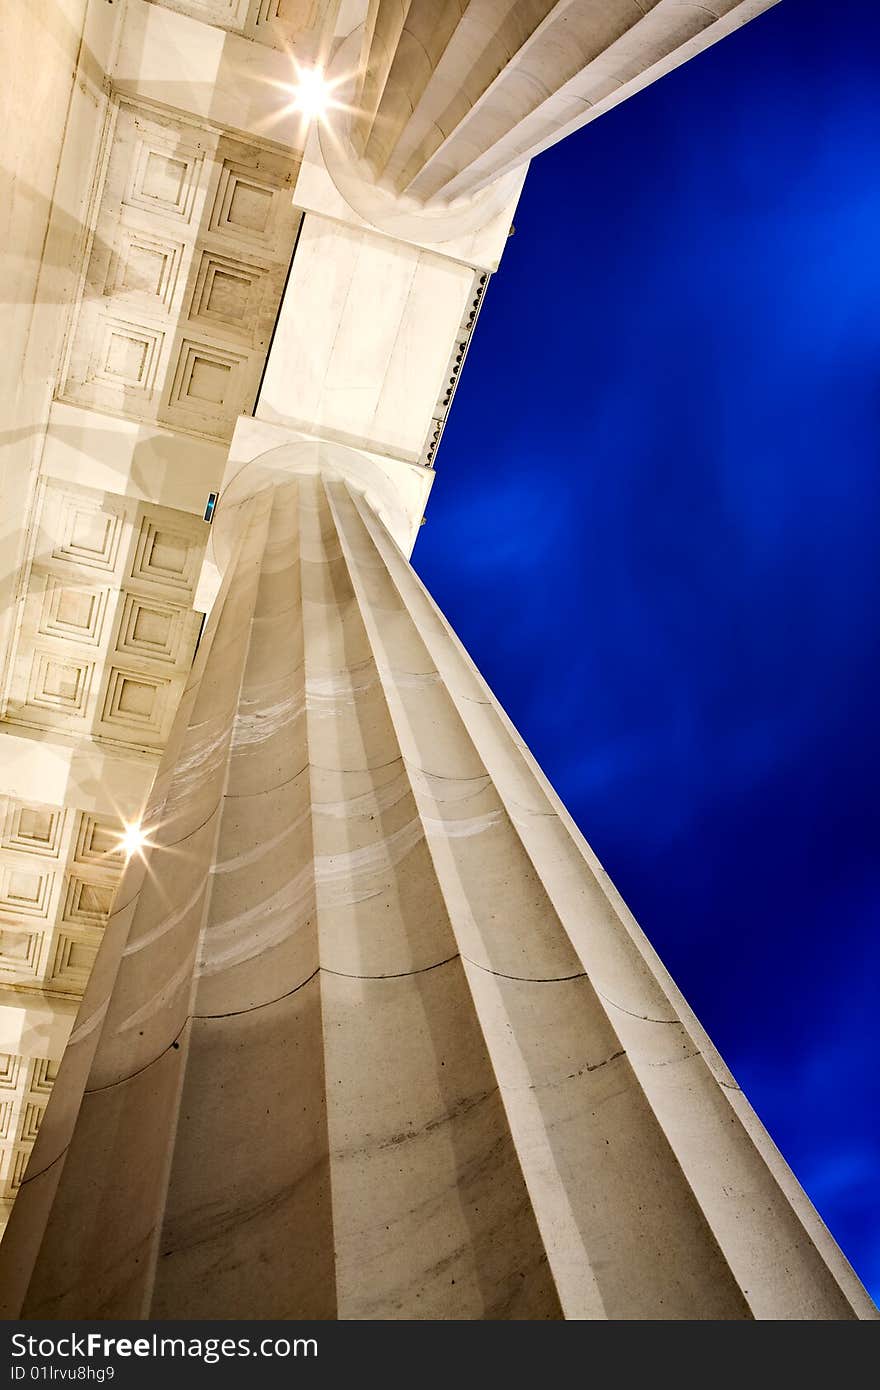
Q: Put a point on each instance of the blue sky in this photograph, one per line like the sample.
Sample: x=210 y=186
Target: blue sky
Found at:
x=655 y=526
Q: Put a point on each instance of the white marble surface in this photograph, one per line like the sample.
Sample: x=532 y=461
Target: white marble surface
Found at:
x=185 y=63
x=363 y=339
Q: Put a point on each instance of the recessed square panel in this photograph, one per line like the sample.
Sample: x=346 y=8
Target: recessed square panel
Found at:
x=60 y=684
x=76 y=610
x=98 y=843
x=85 y=529
x=20 y=951
x=228 y=294
x=165 y=555
x=245 y=205
x=164 y=177
x=72 y=611
x=42 y=1075
x=135 y=705
x=89 y=531
x=128 y=355
x=88 y=904
x=31 y=1120
x=33 y=829
x=25 y=891
x=36 y=824
x=208 y=381
x=73 y=963
x=136 y=698
x=145 y=268
x=10 y=1067
x=250 y=206
x=149 y=628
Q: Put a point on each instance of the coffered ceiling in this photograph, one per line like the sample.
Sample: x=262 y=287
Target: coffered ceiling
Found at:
x=107 y=628
x=192 y=239
x=59 y=868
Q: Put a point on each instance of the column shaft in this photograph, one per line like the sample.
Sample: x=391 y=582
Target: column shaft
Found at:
x=370 y=1034
x=455 y=93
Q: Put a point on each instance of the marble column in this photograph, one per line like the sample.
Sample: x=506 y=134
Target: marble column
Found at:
x=371 y=1035
x=449 y=95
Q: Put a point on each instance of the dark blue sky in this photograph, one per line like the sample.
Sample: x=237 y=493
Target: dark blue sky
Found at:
x=655 y=526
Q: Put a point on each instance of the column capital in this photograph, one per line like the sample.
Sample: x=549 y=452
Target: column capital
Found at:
x=263 y=454
x=433 y=222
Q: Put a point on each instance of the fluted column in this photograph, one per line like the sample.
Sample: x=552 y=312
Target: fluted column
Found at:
x=370 y=1034
x=452 y=94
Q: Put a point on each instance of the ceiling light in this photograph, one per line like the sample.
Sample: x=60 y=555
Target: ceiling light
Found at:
x=134 y=839
x=311 y=93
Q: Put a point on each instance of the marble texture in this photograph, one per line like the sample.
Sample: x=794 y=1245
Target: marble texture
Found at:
x=370 y=1035
x=366 y=329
